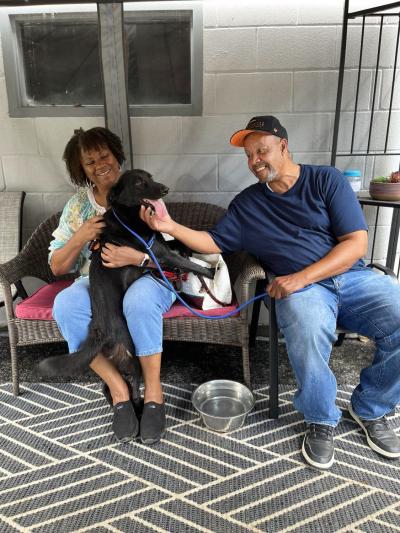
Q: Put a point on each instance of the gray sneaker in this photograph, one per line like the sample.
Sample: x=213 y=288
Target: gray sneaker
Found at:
x=318 y=448
x=380 y=436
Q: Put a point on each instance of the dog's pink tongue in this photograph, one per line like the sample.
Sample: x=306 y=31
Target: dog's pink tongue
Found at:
x=159 y=207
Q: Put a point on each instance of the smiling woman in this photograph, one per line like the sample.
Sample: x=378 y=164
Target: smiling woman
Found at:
x=93 y=159
x=102 y=170
x=87 y=148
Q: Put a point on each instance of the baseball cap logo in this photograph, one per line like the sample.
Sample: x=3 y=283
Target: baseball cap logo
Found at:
x=255 y=124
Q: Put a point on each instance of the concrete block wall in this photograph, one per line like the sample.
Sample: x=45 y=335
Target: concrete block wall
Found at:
x=260 y=57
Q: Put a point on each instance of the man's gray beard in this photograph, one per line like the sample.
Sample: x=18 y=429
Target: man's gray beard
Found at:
x=272 y=175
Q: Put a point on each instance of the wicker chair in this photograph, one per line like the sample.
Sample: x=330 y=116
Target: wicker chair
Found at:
x=11 y=207
x=32 y=261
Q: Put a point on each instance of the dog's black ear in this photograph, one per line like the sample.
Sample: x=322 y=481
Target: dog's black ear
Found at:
x=111 y=197
x=114 y=193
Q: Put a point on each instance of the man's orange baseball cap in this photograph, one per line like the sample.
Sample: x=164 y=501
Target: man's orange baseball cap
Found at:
x=264 y=124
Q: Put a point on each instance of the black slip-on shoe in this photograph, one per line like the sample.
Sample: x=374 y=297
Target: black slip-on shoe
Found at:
x=125 y=423
x=318 y=448
x=136 y=402
x=153 y=422
x=380 y=436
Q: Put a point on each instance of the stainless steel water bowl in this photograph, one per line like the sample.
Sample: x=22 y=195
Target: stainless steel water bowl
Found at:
x=223 y=404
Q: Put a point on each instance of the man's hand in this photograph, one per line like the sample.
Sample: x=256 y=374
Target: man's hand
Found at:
x=156 y=223
x=349 y=249
x=282 y=286
x=119 y=256
x=198 y=241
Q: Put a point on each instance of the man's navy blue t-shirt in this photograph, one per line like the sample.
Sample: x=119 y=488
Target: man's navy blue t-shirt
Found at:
x=290 y=231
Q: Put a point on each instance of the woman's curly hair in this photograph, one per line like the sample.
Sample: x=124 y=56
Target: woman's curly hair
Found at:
x=93 y=139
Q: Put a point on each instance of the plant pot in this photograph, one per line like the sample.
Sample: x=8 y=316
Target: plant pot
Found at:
x=385 y=191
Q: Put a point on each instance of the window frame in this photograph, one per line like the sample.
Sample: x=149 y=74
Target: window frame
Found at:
x=14 y=72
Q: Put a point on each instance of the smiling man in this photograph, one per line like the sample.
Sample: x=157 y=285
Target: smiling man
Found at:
x=305 y=225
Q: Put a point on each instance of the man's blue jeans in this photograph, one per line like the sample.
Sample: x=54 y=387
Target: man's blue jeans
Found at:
x=361 y=301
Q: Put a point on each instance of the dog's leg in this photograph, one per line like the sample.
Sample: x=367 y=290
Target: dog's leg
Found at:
x=176 y=261
x=131 y=372
x=128 y=365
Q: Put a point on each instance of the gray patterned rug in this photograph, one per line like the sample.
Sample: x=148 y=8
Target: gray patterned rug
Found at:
x=61 y=470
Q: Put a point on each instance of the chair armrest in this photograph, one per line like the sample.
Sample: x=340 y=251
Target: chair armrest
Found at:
x=20 y=266
x=386 y=270
x=29 y=264
x=251 y=271
x=11 y=273
x=32 y=260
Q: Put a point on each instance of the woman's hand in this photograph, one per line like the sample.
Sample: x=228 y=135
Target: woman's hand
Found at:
x=64 y=259
x=119 y=256
x=91 y=229
x=157 y=223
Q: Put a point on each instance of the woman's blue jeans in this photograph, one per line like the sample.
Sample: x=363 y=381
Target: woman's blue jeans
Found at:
x=143 y=306
x=361 y=301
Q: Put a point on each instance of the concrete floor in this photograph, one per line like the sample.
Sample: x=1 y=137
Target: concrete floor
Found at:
x=195 y=363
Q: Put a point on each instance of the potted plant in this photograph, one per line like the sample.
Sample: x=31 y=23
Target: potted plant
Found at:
x=386 y=187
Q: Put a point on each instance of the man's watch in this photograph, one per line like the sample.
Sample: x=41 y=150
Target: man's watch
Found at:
x=145 y=261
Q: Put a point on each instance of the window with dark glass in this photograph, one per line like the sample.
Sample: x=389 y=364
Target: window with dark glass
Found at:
x=60 y=62
x=159 y=68
x=52 y=61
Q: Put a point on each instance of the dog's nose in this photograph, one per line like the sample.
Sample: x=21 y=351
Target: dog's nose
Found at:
x=164 y=190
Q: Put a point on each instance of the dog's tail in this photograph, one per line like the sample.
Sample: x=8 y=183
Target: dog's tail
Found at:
x=77 y=362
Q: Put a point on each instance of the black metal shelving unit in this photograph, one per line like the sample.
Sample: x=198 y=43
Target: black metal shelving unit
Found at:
x=389 y=12
x=379 y=12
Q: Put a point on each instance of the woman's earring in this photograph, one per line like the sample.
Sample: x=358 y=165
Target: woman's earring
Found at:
x=89 y=184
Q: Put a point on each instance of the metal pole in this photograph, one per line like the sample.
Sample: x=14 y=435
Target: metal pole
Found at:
x=393 y=239
x=114 y=72
x=273 y=362
x=358 y=85
x=340 y=84
x=375 y=84
x=393 y=83
x=373 y=11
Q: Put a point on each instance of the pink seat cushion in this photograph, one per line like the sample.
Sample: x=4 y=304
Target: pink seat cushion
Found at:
x=39 y=305
x=178 y=310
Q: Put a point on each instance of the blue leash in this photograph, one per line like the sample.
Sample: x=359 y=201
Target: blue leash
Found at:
x=148 y=246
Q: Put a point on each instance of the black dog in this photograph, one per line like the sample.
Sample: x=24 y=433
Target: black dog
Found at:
x=108 y=331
